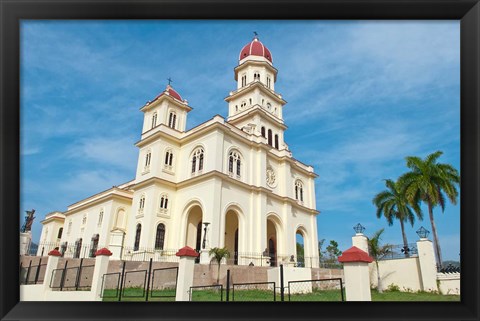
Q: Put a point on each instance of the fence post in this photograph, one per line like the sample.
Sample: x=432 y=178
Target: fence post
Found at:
x=38 y=270
x=121 y=281
x=102 y=258
x=79 y=273
x=227 y=296
x=62 y=281
x=148 y=278
x=282 y=290
x=186 y=268
x=357 y=277
x=28 y=272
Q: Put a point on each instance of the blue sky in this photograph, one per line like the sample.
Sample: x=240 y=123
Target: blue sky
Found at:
x=362 y=95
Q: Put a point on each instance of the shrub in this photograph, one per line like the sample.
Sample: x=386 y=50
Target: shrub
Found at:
x=393 y=288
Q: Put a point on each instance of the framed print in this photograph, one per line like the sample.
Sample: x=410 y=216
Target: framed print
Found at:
x=199 y=193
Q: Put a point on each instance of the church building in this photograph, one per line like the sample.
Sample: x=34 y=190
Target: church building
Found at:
x=225 y=183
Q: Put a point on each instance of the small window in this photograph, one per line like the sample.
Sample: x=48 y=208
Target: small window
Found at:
x=60 y=232
x=197 y=160
x=154 y=119
x=148 y=158
x=164 y=202
x=270 y=137
x=136 y=245
x=263 y=131
x=172 y=118
x=234 y=163
x=276 y=141
x=269 y=106
x=250 y=100
x=160 y=237
x=100 y=218
x=299 y=190
x=168 y=158
x=142 y=203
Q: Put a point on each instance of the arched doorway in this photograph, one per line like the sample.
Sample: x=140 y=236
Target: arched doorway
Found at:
x=300 y=248
x=231 y=234
x=272 y=242
x=193 y=237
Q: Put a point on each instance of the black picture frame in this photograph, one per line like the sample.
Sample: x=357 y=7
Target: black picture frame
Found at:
x=12 y=11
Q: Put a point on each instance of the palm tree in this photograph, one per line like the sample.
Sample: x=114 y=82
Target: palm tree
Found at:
x=393 y=204
x=377 y=252
x=218 y=255
x=429 y=182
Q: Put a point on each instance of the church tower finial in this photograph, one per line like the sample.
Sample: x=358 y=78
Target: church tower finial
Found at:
x=255 y=36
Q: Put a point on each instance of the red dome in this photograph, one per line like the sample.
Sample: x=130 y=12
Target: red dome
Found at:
x=255 y=48
x=170 y=92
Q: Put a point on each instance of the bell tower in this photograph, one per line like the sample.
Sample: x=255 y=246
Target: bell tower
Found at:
x=255 y=104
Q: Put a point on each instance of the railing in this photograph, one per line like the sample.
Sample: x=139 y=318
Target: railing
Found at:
x=401 y=252
x=145 y=254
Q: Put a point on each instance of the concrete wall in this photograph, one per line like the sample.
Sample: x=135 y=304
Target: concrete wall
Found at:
x=402 y=272
x=449 y=283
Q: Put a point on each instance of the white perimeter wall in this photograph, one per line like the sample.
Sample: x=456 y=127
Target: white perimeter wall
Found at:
x=402 y=272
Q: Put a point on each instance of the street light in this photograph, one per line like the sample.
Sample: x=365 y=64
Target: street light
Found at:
x=204 y=235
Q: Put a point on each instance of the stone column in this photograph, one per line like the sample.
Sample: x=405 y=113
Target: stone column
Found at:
x=186 y=267
x=428 y=268
x=102 y=258
x=25 y=241
x=356 y=274
x=53 y=257
x=361 y=241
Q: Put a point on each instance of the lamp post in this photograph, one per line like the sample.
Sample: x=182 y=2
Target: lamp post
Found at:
x=204 y=235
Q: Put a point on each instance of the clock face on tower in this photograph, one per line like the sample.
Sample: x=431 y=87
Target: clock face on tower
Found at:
x=270 y=177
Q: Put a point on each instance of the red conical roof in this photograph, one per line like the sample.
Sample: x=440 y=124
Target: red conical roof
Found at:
x=255 y=48
x=171 y=92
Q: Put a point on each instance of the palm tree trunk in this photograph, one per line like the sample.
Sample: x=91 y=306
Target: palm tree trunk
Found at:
x=438 y=254
x=379 y=284
x=218 y=273
x=405 y=242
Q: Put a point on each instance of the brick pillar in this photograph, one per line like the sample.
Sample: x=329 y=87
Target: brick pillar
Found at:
x=356 y=273
x=186 y=266
x=102 y=258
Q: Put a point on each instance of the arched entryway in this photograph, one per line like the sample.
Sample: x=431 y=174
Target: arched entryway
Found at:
x=231 y=235
x=193 y=237
x=272 y=242
x=300 y=248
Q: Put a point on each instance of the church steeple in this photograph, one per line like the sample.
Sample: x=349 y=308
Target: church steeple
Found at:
x=255 y=103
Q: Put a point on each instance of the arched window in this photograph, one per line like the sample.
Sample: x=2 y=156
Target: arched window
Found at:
x=164 y=201
x=276 y=141
x=270 y=137
x=100 y=218
x=148 y=158
x=269 y=106
x=236 y=108
x=154 y=119
x=60 y=232
x=197 y=160
x=78 y=248
x=160 y=237
x=136 y=245
x=263 y=131
x=141 y=205
x=256 y=76
x=243 y=105
x=244 y=80
x=168 y=158
x=234 y=163
x=250 y=100
x=299 y=190
x=172 y=120
x=94 y=244
x=268 y=82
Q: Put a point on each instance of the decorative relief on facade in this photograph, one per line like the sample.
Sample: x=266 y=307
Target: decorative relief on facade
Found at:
x=271 y=177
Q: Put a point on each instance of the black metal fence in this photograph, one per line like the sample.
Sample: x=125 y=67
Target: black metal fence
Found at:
x=206 y=293
x=316 y=290
x=140 y=285
x=32 y=274
x=72 y=278
x=401 y=252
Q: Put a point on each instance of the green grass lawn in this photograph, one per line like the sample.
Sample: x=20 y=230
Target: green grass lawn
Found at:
x=137 y=294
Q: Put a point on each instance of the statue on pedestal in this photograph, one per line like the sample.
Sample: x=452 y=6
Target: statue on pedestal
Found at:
x=27 y=226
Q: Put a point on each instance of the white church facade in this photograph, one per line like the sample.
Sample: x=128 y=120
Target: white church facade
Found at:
x=225 y=183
